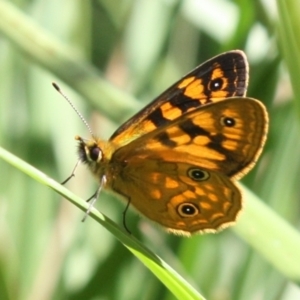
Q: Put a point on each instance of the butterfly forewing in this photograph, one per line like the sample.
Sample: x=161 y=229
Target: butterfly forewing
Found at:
x=223 y=76
x=226 y=136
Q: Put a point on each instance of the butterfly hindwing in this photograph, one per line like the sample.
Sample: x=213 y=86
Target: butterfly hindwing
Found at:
x=223 y=76
x=183 y=198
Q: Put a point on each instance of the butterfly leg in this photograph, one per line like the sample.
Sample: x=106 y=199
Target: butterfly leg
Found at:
x=92 y=200
x=72 y=174
x=124 y=217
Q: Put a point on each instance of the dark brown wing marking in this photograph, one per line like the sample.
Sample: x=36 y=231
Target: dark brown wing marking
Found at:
x=223 y=76
x=227 y=136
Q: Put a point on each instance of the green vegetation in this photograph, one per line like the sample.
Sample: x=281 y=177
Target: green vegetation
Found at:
x=111 y=58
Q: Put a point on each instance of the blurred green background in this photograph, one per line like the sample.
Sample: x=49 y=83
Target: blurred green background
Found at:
x=111 y=58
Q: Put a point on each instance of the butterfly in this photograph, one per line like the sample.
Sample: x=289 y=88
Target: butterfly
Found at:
x=177 y=160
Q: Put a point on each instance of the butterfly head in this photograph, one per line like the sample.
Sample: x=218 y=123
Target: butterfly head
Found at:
x=95 y=153
x=89 y=151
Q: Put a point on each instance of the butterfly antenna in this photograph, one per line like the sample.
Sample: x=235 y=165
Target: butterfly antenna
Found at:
x=73 y=106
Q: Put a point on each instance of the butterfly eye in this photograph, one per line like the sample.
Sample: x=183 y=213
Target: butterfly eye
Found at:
x=95 y=153
x=216 y=84
x=197 y=174
x=227 y=121
x=187 y=210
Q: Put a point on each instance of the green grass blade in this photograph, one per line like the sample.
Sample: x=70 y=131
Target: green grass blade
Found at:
x=63 y=62
x=173 y=281
x=270 y=235
x=289 y=39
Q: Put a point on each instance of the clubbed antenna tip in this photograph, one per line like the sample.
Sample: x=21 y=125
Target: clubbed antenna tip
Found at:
x=73 y=106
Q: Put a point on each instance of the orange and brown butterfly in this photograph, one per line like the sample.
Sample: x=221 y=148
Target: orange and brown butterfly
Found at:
x=177 y=160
